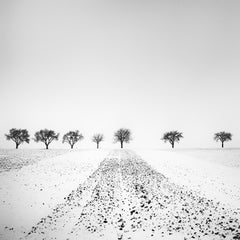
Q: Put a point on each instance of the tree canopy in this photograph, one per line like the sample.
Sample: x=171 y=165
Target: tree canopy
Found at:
x=19 y=136
x=46 y=136
x=97 y=138
x=122 y=135
x=222 y=137
x=72 y=137
x=172 y=137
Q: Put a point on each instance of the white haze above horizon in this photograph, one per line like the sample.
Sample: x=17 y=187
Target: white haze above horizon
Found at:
x=150 y=66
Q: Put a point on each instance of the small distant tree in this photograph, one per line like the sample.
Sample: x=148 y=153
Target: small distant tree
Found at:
x=19 y=136
x=222 y=137
x=97 y=138
x=46 y=136
x=122 y=135
x=172 y=137
x=72 y=137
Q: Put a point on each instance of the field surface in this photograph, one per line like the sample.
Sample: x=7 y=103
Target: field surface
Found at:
x=119 y=194
x=16 y=159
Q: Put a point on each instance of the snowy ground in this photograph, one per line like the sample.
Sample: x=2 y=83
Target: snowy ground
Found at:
x=151 y=195
x=214 y=173
x=227 y=156
x=30 y=193
x=18 y=158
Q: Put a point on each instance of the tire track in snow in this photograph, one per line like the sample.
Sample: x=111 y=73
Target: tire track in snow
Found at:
x=126 y=199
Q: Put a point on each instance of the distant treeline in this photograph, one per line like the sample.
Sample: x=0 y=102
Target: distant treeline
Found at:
x=122 y=135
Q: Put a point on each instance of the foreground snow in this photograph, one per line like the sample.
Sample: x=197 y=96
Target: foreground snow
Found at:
x=152 y=195
x=213 y=173
x=32 y=192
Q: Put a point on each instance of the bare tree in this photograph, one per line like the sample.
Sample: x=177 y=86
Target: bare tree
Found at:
x=97 y=138
x=172 y=137
x=72 y=137
x=19 y=136
x=122 y=135
x=46 y=136
x=222 y=137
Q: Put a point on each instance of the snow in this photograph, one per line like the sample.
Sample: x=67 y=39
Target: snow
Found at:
x=97 y=194
x=213 y=173
x=18 y=158
x=30 y=193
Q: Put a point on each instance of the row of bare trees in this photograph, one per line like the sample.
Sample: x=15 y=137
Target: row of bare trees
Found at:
x=122 y=135
x=46 y=136
x=175 y=136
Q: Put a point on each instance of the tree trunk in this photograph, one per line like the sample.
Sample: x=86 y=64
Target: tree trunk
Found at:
x=222 y=144
x=97 y=145
x=172 y=144
x=121 y=144
x=71 y=146
x=46 y=146
x=17 y=146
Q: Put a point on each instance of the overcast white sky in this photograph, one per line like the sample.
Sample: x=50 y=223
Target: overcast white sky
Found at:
x=151 y=66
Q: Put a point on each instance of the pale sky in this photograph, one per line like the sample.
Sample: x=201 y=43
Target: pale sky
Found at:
x=96 y=66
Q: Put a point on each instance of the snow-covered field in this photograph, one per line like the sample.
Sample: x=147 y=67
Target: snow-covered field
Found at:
x=16 y=159
x=31 y=192
x=215 y=173
x=121 y=194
